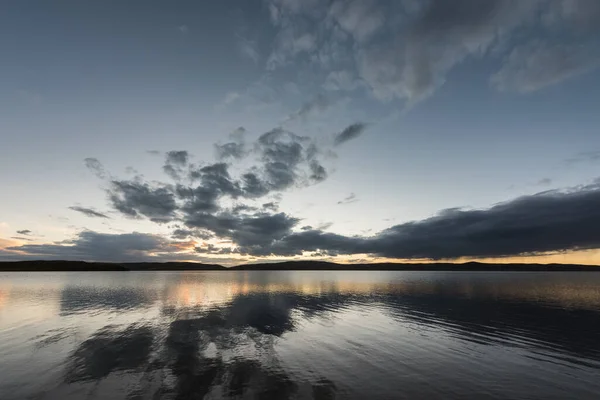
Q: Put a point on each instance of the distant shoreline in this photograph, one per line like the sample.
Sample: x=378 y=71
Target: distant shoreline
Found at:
x=56 y=266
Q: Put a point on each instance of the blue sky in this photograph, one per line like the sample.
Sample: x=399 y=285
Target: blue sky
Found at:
x=360 y=119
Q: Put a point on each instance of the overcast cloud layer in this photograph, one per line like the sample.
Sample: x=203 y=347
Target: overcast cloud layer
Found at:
x=405 y=49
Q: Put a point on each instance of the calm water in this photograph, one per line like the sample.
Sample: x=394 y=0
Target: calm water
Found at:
x=286 y=335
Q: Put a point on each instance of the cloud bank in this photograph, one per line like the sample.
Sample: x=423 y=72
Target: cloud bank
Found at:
x=550 y=221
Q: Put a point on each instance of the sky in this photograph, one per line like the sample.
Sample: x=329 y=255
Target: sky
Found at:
x=345 y=130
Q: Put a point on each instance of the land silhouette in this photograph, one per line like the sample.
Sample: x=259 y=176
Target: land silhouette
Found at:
x=59 y=265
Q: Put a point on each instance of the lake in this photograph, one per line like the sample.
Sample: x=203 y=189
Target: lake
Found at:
x=300 y=335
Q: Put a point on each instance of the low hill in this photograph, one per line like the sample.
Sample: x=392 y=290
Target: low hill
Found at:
x=42 y=265
x=470 y=266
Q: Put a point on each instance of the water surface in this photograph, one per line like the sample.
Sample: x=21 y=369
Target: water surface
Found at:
x=297 y=335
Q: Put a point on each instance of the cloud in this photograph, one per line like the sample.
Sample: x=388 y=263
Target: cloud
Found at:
x=341 y=80
x=258 y=229
x=248 y=49
x=270 y=206
x=235 y=149
x=135 y=199
x=316 y=106
x=94 y=246
x=96 y=167
x=90 y=212
x=538 y=64
x=21 y=238
x=175 y=162
x=230 y=150
x=579 y=15
x=351 y=198
x=585 y=156
x=24 y=232
x=414 y=61
x=179 y=157
x=405 y=49
x=212 y=204
x=351 y=132
x=281 y=153
x=191 y=233
x=200 y=199
x=551 y=221
x=290 y=44
x=318 y=173
x=360 y=18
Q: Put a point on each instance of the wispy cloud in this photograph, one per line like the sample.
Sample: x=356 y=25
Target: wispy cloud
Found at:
x=95 y=167
x=183 y=29
x=90 y=212
x=585 y=156
x=248 y=49
x=351 y=132
x=351 y=198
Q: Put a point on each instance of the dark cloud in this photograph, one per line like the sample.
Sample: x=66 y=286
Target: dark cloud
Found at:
x=252 y=233
x=153 y=152
x=231 y=150
x=212 y=250
x=135 y=199
x=550 y=221
x=175 y=163
x=236 y=148
x=191 y=233
x=282 y=154
x=351 y=132
x=284 y=160
x=94 y=246
x=25 y=232
x=318 y=173
x=351 y=198
x=243 y=208
x=270 y=206
x=179 y=157
x=90 y=212
x=216 y=178
x=96 y=167
x=253 y=185
x=215 y=182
